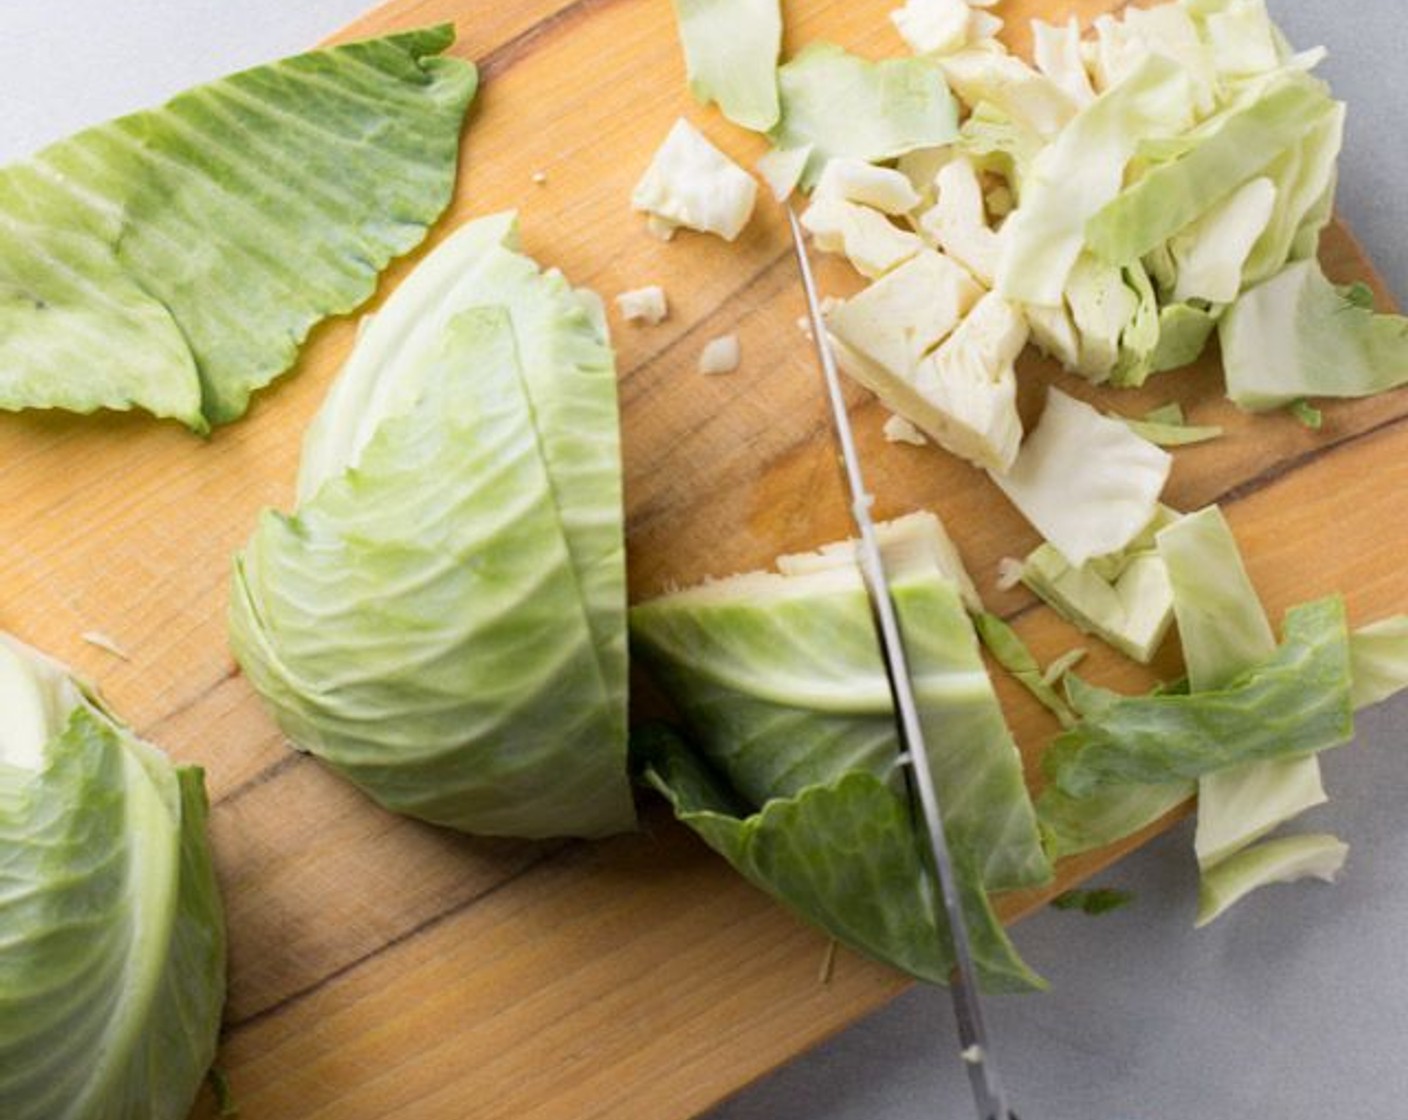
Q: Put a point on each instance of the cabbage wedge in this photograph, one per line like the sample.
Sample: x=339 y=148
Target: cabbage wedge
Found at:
x=797 y=779
x=442 y=620
x=175 y=259
x=112 y=977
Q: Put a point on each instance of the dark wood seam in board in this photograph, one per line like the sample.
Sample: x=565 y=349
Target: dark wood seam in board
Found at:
x=234 y=1026
x=513 y=50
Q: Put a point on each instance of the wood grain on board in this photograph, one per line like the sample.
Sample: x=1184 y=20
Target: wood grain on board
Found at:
x=383 y=968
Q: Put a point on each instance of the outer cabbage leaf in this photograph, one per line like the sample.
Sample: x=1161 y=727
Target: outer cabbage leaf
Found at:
x=730 y=54
x=442 y=620
x=175 y=259
x=844 y=105
x=1297 y=335
x=843 y=854
x=113 y=974
x=1294 y=703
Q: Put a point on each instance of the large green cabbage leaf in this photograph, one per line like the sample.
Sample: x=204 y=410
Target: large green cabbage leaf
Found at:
x=443 y=618
x=843 y=854
x=112 y=975
x=175 y=259
x=781 y=680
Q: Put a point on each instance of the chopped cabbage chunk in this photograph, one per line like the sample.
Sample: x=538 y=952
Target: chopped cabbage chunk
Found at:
x=691 y=183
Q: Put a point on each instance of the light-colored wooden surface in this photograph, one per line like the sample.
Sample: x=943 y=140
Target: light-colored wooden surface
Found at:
x=381 y=968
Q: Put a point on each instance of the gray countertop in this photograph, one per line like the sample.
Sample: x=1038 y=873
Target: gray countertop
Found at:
x=1293 y=1005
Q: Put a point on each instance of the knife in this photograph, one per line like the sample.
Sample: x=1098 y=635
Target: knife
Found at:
x=975 y=1049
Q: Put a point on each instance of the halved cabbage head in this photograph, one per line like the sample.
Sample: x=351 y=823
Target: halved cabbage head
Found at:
x=442 y=620
x=797 y=778
x=112 y=976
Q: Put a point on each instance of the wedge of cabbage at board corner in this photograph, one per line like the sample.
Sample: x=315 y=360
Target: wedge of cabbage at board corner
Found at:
x=175 y=259
x=112 y=973
x=442 y=617
x=791 y=770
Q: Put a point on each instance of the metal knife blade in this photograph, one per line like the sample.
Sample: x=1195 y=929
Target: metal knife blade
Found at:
x=976 y=1052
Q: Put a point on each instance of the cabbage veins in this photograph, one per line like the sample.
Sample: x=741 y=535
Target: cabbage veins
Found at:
x=442 y=620
x=112 y=974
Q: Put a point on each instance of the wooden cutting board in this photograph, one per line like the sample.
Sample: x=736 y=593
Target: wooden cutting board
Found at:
x=383 y=968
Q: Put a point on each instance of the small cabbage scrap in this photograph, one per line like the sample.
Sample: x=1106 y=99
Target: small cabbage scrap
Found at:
x=1378 y=654
x=1285 y=860
x=938 y=27
x=644 y=305
x=442 y=620
x=1087 y=483
x=175 y=259
x=1297 y=335
x=957 y=221
x=780 y=677
x=730 y=53
x=844 y=105
x=1167 y=427
x=113 y=971
x=691 y=183
x=1124 y=597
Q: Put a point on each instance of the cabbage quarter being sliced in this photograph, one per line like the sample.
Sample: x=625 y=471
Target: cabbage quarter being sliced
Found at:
x=793 y=772
x=442 y=619
x=112 y=973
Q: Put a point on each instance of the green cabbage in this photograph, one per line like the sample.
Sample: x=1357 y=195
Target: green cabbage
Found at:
x=1294 y=703
x=1211 y=163
x=730 y=53
x=112 y=976
x=781 y=680
x=443 y=618
x=175 y=259
x=844 y=105
x=1297 y=335
x=1087 y=483
x=1123 y=597
x=1277 y=861
x=1378 y=655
